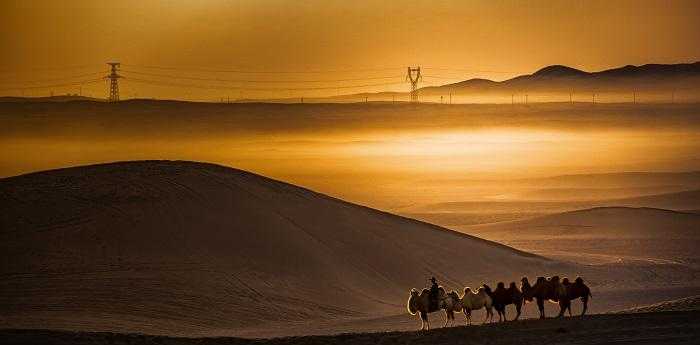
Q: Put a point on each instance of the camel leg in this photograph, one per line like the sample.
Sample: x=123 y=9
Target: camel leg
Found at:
x=562 y=307
x=447 y=318
x=540 y=306
x=518 y=309
x=468 y=316
x=489 y=314
x=424 y=321
x=585 y=305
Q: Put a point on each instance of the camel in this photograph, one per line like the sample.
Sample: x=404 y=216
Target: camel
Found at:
x=547 y=289
x=577 y=290
x=475 y=301
x=419 y=303
x=525 y=287
x=502 y=297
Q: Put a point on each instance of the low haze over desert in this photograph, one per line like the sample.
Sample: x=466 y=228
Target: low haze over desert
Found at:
x=368 y=172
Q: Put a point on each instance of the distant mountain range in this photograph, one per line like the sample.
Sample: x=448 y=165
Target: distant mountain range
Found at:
x=558 y=79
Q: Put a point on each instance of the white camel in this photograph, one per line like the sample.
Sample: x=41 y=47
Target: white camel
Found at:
x=475 y=301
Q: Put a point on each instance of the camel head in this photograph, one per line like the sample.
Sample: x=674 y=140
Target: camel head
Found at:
x=524 y=281
x=565 y=281
x=500 y=285
x=579 y=281
x=467 y=290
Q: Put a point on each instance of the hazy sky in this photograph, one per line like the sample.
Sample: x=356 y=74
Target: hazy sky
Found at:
x=493 y=39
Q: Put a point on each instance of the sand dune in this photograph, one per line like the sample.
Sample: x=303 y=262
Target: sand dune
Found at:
x=604 y=235
x=191 y=248
x=611 y=222
x=465 y=214
x=691 y=303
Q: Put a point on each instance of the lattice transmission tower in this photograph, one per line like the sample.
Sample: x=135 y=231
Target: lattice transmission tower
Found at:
x=413 y=75
x=113 y=82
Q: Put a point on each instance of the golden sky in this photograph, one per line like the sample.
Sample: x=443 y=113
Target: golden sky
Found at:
x=460 y=39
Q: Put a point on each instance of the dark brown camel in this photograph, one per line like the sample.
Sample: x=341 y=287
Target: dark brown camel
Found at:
x=577 y=290
x=503 y=297
x=547 y=289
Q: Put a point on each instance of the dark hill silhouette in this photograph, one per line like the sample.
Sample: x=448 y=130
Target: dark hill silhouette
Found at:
x=559 y=71
x=563 y=79
x=62 y=98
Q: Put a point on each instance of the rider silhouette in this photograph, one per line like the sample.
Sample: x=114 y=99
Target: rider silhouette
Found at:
x=434 y=294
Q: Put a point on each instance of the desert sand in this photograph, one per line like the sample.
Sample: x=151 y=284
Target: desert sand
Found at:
x=195 y=249
x=640 y=328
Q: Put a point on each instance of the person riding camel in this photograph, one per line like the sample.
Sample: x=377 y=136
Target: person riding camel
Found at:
x=434 y=294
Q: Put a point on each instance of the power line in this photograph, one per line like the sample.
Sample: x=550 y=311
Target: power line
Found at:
x=170 y=76
x=55 y=79
x=223 y=87
x=81 y=82
x=43 y=69
x=445 y=77
x=468 y=70
x=204 y=69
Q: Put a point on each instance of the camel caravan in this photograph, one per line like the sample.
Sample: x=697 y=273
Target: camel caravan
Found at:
x=545 y=289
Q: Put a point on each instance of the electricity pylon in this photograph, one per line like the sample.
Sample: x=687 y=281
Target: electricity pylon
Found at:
x=413 y=75
x=113 y=82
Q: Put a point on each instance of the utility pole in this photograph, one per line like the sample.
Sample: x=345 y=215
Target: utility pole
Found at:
x=441 y=99
x=526 y=99
x=571 y=97
x=413 y=75
x=512 y=99
x=113 y=82
x=450 y=97
x=634 y=97
x=594 y=98
x=365 y=99
x=393 y=99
